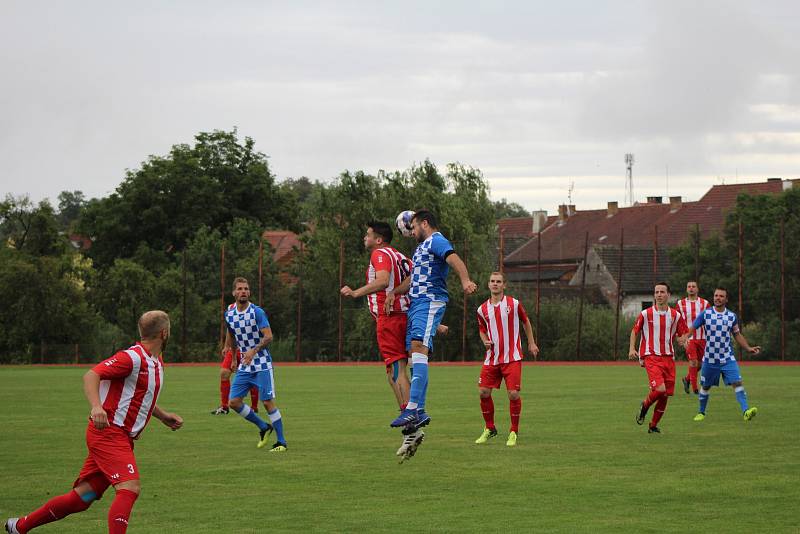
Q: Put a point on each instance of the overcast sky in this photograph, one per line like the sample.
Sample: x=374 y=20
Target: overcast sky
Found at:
x=537 y=95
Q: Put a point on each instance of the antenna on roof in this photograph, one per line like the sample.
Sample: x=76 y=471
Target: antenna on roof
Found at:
x=629 y=179
x=570 y=190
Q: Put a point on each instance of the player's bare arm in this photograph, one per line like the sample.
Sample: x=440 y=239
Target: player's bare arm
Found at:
x=172 y=420
x=746 y=346
x=632 y=354
x=266 y=339
x=486 y=341
x=533 y=348
x=91 y=388
x=380 y=283
x=460 y=268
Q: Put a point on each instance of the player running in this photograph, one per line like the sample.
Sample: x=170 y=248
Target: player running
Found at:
x=690 y=307
x=720 y=325
x=658 y=324
x=427 y=288
x=249 y=326
x=498 y=325
x=122 y=392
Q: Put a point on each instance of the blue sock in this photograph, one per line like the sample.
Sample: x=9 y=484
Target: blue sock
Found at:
x=419 y=380
x=741 y=396
x=703 y=396
x=277 y=424
x=251 y=416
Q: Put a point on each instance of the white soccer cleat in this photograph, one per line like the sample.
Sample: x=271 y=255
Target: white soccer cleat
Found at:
x=11 y=525
x=410 y=445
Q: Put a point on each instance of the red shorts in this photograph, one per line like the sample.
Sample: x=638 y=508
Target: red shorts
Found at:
x=661 y=370
x=110 y=455
x=492 y=375
x=696 y=349
x=391 y=331
x=228 y=359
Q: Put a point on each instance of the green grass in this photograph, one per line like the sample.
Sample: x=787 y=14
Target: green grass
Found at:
x=582 y=464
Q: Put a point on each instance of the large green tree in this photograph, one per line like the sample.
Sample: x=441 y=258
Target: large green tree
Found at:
x=161 y=205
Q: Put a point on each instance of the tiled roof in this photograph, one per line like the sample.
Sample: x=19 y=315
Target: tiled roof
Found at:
x=565 y=240
x=283 y=242
x=637 y=266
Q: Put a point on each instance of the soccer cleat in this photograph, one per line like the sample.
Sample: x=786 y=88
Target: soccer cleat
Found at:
x=262 y=436
x=686 y=384
x=696 y=392
x=413 y=445
x=409 y=439
x=641 y=416
x=653 y=430
x=512 y=439
x=699 y=417
x=486 y=435
x=11 y=525
x=749 y=414
x=220 y=411
x=423 y=419
x=279 y=447
x=406 y=417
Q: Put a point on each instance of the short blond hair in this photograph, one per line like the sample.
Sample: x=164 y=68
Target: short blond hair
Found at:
x=152 y=322
x=501 y=275
x=240 y=280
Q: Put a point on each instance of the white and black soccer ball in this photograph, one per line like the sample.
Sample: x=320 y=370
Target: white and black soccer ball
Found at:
x=403 y=222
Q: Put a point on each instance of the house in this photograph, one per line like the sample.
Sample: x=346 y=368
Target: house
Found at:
x=553 y=248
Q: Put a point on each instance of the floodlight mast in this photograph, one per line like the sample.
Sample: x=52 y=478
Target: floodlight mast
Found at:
x=629 y=179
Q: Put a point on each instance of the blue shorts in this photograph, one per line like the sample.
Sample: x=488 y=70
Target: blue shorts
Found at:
x=709 y=373
x=263 y=380
x=423 y=317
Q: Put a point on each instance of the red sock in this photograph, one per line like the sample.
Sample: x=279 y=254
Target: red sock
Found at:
x=515 y=407
x=224 y=391
x=661 y=406
x=693 y=377
x=403 y=406
x=120 y=511
x=53 y=510
x=652 y=398
x=254 y=398
x=487 y=408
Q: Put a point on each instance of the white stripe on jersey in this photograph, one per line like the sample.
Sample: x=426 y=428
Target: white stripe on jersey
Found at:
x=690 y=310
x=150 y=396
x=128 y=391
x=396 y=275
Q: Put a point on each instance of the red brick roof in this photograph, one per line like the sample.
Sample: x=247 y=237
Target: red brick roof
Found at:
x=283 y=242
x=565 y=241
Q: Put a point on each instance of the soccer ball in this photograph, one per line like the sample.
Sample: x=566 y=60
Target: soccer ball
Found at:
x=403 y=222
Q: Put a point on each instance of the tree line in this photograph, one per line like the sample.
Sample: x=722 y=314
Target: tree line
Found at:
x=156 y=242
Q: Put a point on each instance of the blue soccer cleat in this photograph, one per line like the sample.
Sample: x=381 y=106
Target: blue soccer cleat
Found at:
x=423 y=419
x=406 y=417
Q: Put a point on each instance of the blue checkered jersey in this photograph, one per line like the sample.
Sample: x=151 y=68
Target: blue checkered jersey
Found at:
x=429 y=277
x=245 y=327
x=720 y=327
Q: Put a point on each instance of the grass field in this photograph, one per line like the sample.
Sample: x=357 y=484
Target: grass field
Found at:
x=582 y=464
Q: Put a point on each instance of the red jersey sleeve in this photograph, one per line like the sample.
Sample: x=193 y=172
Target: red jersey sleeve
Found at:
x=682 y=328
x=119 y=365
x=637 y=326
x=482 y=324
x=380 y=261
x=523 y=315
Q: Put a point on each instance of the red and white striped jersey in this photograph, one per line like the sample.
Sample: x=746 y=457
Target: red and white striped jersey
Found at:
x=399 y=267
x=658 y=329
x=501 y=324
x=690 y=309
x=130 y=382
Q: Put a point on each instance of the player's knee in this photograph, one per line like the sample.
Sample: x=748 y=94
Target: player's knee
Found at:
x=236 y=403
x=736 y=384
x=224 y=374
x=485 y=393
x=134 y=486
x=661 y=388
x=513 y=395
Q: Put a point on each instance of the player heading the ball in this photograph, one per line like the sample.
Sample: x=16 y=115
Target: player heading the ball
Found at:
x=427 y=289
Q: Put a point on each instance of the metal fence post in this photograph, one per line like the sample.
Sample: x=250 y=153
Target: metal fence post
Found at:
x=580 y=306
x=340 y=344
x=619 y=291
